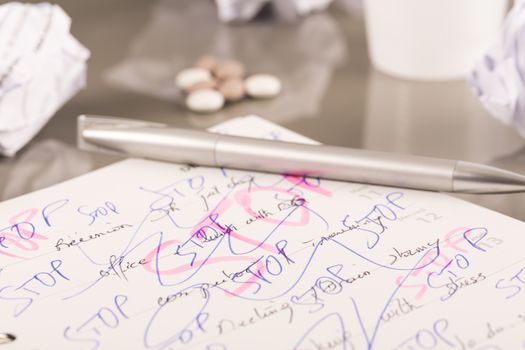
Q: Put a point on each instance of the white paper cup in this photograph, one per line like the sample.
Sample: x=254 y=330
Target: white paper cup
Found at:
x=431 y=39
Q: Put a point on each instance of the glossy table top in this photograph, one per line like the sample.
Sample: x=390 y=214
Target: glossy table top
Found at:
x=331 y=92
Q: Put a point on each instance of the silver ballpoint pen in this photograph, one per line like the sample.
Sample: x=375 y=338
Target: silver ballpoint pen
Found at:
x=157 y=141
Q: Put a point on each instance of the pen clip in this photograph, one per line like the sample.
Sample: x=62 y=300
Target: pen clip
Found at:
x=85 y=122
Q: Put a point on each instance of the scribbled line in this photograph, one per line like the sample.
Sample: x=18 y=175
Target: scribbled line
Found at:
x=184 y=334
x=20 y=234
x=345 y=247
x=158 y=235
x=332 y=316
x=126 y=251
x=466 y=236
x=128 y=248
x=199 y=264
x=321 y=242
x=106 y=317
x=212 y=217
x=33 y=287
x=370 y=339
x=159 y=245
x=23 y=233
x=316 y=247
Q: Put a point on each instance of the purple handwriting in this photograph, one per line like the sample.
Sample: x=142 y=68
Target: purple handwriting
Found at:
x=106 y=209
x=104 y=319
x=25 y=293
x=512 y=285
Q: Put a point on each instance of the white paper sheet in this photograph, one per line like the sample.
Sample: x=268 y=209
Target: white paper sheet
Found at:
x=151 y=255
x=41 y=67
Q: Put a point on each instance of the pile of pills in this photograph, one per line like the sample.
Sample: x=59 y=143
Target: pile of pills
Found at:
x=211 y=83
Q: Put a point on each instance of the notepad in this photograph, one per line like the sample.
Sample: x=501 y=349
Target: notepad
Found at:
x=153 y=255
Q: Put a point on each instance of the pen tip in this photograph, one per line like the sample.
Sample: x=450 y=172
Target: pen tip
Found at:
x=479 y=178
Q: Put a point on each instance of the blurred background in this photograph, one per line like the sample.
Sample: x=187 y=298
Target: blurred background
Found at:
x=331 y=90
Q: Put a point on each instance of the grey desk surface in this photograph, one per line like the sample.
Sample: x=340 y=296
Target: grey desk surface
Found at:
x=331 y=93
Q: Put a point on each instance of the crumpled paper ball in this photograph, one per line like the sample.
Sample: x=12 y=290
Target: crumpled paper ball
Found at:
x=41 y=67
x=499 y=79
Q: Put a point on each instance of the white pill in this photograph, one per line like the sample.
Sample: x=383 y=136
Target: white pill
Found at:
x=191 y=76
x=205 y=101
x=263 y=86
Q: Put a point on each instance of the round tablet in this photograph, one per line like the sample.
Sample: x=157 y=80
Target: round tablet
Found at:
x=262 y=86
x=232 y=89
x=205 y=101
x=191 y=76
x=229 y=70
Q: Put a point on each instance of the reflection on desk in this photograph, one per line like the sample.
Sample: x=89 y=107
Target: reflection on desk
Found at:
x=46 y=163
x=303 y=56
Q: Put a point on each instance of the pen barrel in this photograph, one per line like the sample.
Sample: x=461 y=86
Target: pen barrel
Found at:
x=336 y=163
x=141 y=139
x=182 y=146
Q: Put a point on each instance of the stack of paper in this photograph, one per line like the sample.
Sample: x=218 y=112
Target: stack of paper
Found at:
x=245 y=10
x=41 y=66
x=499 y=80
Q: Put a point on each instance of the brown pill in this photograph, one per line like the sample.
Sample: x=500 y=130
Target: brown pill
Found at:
x=229 y=69
x=207 y=84
x=208 y=62
x=232 y=90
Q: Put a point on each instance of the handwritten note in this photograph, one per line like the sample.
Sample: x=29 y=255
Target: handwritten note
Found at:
x=151 y=255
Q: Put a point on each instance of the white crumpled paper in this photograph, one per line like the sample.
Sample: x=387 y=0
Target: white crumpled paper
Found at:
x=245 y=10
x=499 y=79
x=41 y=67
